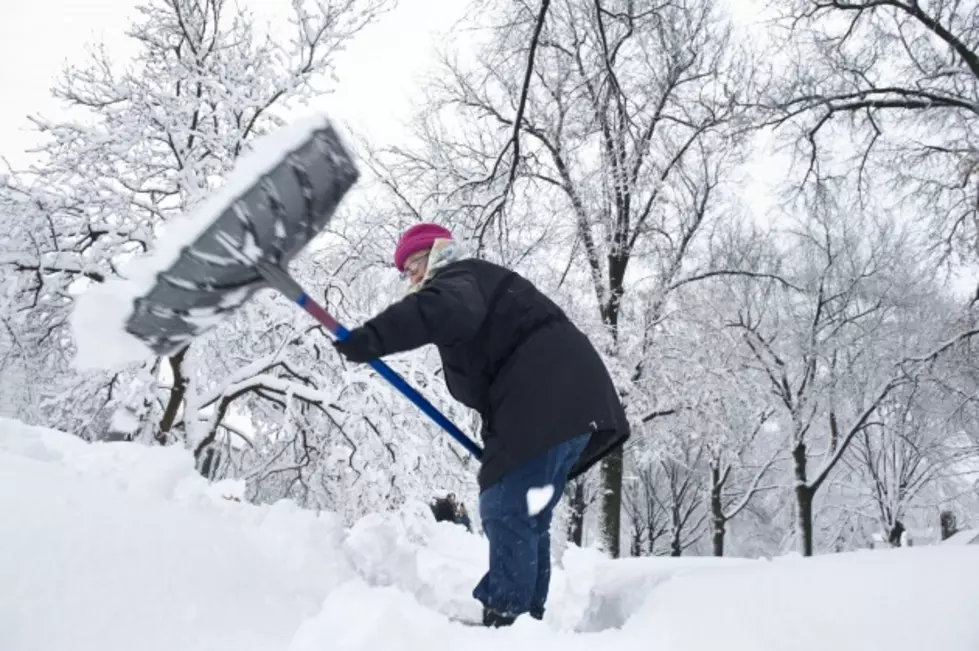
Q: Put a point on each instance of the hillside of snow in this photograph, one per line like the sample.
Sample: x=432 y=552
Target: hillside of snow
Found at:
x=115 y=546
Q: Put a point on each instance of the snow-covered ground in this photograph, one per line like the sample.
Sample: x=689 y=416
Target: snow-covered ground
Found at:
x=114 y=546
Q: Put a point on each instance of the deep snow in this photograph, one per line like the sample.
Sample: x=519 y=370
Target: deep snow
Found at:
x=114 y=546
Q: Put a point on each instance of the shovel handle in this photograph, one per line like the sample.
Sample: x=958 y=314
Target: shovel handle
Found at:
x=315 y=310
x=280 y=280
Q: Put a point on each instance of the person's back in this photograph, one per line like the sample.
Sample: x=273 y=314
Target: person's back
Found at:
x=529 y=371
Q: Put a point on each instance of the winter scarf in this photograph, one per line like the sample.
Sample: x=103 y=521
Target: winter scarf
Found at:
x=444 y=251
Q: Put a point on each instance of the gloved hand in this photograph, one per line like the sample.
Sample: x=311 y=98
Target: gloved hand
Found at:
x=362 y=345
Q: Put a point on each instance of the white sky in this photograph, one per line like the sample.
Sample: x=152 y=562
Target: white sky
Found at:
x=377 y=73
x=34 y=41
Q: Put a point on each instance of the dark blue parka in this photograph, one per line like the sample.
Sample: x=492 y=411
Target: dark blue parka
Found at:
x=511 y=354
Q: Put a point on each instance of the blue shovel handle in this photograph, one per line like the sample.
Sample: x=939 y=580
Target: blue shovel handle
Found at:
x=280 y=280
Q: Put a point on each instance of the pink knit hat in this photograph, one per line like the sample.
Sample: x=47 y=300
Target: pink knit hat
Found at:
x=418 y=238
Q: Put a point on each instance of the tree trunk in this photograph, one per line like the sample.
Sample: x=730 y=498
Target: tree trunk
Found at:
x=612 y=501
x=717 y=512
x=637 y=537
x=895 y=533
x=803 y=496
x=718 y=538
x=613 y=463
x=576 y=524
x=948 y=524
x=676 y=538
x=210 y=461
x=176 y=398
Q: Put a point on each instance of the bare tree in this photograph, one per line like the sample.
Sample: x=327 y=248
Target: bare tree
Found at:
x=825 y=344
x=684 y=498
x=624 y=132
x=702 y=380
x=581 y=493
x=148 y=141
x=734 y=481
x=648 y=519
x=910 y=448
x=899 y=80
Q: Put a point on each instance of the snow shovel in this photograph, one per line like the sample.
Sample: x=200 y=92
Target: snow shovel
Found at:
x=249 y=243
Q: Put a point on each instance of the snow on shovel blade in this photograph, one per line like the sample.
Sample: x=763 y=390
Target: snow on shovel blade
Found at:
x=286 y=204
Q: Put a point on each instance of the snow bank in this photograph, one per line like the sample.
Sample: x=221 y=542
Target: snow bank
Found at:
x=965 y=537
x=100 y=314
x=109 y=546
x=617 y=590
x=436 y=562
x=113 y=546
x=893 y=600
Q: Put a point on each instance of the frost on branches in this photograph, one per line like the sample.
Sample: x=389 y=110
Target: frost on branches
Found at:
x=263 y=396
x=606 y=188
x=804 y=380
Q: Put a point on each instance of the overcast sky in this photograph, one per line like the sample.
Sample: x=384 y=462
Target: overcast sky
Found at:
x=377 y=73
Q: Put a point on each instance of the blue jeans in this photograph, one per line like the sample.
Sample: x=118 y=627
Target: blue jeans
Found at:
x=520 y=543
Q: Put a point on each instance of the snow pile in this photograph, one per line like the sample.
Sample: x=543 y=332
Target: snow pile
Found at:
x=436 y=562
x=101 y=312
x=897 y=599
x=104 y=547
x=617 y=590
x=965 y=537
x=113 y=546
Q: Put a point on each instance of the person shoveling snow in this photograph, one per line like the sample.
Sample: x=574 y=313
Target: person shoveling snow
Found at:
x=549 y=408
x=548 y=405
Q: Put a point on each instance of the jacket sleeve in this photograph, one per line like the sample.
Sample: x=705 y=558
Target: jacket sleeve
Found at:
x=448 y=310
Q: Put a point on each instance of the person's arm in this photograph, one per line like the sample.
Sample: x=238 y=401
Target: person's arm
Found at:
x=448 y=310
